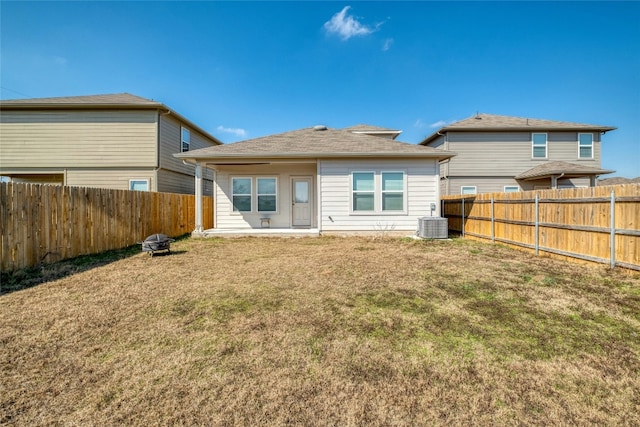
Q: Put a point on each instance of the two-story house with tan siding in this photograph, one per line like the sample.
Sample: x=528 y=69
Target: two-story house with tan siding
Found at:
x=503 y=153
x=119 y=141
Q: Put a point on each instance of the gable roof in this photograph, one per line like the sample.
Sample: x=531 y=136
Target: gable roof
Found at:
x=119 y=101
x=315 y=143
x=492 y=122
x=561 y=168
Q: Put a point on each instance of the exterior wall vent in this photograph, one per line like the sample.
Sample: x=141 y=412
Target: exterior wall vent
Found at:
x=430 y=227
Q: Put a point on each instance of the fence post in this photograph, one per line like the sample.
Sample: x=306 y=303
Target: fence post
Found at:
x=613 y=230
x=462 y=216
x=537 y=226
x=493 y=234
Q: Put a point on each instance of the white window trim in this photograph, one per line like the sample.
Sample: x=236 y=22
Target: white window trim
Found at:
x=377 y=193
x=254 y=194
x=475 y=189
x=146 y=180
x=182 y=141
x=546 y=146
x=592 y=146
x=511 y=186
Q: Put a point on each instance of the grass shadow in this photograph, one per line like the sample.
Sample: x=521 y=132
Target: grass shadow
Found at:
x=33 y=276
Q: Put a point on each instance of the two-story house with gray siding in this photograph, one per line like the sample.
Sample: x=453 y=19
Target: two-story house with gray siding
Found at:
x=119 y=141
x=503 y=153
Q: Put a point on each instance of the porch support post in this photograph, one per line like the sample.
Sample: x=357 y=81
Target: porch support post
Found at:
x=554 y=182
x=199 y=229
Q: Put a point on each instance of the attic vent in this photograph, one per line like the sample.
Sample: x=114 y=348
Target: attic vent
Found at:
x=320 y=127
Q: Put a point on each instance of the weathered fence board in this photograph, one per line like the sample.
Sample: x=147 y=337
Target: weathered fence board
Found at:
x=46 y=223
x=599 y=224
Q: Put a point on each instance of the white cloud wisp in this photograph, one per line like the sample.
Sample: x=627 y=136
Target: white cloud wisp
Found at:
x=347 y=26
x=234 y=131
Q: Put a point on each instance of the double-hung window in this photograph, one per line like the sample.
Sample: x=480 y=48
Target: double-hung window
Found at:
x=539 y=145
x=266 y=194
x=254 y=194
x=585 y=146
x=364 y=187
x=185 y=139
x=378 y=192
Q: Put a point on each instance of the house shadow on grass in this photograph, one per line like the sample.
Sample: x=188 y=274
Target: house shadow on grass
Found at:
x=33 y=276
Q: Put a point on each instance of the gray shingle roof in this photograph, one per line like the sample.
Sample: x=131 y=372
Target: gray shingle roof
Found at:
x=308 y=142
x=492 y=122
x=557 y=168
x=93 y=100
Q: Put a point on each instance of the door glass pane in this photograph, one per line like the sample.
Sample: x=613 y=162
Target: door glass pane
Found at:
x=301 y=190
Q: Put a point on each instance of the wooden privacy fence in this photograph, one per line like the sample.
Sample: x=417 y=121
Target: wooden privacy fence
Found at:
x=46 y=223
x=599 y=224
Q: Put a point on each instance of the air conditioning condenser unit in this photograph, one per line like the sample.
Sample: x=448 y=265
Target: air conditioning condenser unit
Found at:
x=430 y=227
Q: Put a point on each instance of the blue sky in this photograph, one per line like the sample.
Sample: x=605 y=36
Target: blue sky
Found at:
x=247 y=69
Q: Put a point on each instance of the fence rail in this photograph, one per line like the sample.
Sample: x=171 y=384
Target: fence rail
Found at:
x=600 y=224
x=47 y=223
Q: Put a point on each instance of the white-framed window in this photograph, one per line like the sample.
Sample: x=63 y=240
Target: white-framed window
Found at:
x=585 y=146
x=379 y=192
x=267 y=194
x=539 y=145
x=468 y=189
x=511 y=188
x=241 y=194
x=254 y=194
x=185 y=139
x=139 y=184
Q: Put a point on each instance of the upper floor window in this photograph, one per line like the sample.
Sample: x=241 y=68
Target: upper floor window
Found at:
x=511 y=188
x=185 y=138
x=585 y=146
x=539 y=145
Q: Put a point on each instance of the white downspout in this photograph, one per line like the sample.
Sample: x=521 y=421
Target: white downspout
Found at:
x=199 y=229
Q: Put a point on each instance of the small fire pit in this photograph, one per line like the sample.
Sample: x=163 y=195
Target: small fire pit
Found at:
x=157 y=242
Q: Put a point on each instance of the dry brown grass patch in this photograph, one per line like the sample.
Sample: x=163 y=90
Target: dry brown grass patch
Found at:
x=324 y=331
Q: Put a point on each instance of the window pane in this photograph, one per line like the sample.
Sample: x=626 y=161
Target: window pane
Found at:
x=139 y=186
x=468 y=190
x=540 y=152
x=392 y=202
x=266 y=186
x=511 y=189
x=362 y=201
x=539 y=139
x=586 y=139
x=585 y=152
x=266 y=203
x=392 y=181
x=242 y=203
x=363 y=181
x=241 y=185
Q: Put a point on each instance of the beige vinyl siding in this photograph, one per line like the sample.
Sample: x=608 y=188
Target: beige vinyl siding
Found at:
x=509 y=153
x=227 y=219
x=109 y=178
x=170 y=144
x=335 y=187
x=174 y=182
x=52 y=139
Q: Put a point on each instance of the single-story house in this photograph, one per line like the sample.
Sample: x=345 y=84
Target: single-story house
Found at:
x=326 y=180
